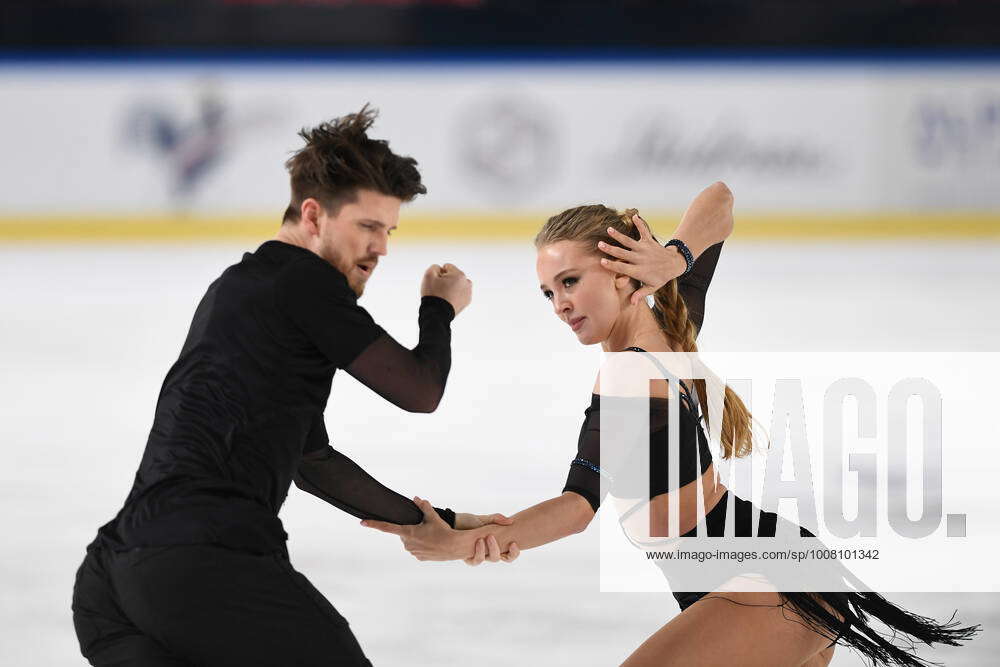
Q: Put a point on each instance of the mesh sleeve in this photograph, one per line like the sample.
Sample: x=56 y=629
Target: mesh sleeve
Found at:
x=336 y=479
x=694 y=286
x=411 y=379
x=619 y=468
x=585 y=471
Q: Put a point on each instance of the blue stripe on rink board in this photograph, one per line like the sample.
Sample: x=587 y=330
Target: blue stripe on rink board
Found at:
x=505 y=57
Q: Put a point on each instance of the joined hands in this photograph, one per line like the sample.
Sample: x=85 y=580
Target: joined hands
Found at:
x=434 y=539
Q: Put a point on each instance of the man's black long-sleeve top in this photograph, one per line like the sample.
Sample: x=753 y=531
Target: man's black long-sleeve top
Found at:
x=240 y=413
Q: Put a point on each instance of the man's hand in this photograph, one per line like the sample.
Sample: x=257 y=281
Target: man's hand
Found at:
x=449 y=283
x=432 y=539
x=645 y=260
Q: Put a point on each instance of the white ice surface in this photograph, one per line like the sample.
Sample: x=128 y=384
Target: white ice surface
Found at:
x=88 y=332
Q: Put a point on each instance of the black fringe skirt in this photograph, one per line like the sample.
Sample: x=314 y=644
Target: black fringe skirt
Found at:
x=846 y=618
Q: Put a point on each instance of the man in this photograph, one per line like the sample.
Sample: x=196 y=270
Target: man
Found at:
x=194 y=569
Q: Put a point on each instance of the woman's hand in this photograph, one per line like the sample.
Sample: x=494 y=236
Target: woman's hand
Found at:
x=708 y=220
x=486 y=548
x=465 y=521
x=645 y=260
x=489 y=549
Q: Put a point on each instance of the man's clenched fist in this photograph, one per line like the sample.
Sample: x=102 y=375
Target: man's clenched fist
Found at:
x=449 y=283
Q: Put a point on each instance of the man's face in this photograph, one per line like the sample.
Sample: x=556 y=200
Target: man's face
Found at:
x=354 y=239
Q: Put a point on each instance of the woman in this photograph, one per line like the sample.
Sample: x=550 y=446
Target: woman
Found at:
x=591 y=261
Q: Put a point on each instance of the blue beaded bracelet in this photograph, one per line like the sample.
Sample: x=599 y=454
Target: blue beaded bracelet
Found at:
x=684 y=250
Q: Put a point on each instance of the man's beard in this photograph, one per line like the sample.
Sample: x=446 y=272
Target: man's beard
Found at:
x=357 y=285
x=350 y=271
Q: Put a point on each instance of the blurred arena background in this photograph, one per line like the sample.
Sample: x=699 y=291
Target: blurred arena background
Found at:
x=143 y=145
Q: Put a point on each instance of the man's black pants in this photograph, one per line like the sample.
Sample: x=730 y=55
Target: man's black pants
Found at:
x=205 y=605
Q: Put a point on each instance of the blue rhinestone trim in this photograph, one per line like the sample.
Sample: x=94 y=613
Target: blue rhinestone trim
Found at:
x=590 y=466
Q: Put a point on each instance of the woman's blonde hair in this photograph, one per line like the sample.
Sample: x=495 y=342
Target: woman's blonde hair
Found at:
x=589 y=224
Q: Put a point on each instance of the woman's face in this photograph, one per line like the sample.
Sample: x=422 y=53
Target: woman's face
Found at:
x=583 y=293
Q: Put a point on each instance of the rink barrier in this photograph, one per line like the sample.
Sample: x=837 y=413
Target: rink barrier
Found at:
x=478 y=226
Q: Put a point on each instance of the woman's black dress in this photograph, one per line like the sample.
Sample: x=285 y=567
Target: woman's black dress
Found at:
x=855 y=608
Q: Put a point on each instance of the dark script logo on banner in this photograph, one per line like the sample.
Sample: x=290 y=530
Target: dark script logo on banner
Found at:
x=662 y=143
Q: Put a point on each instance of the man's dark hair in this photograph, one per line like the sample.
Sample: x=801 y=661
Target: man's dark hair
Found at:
x=339 y=159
